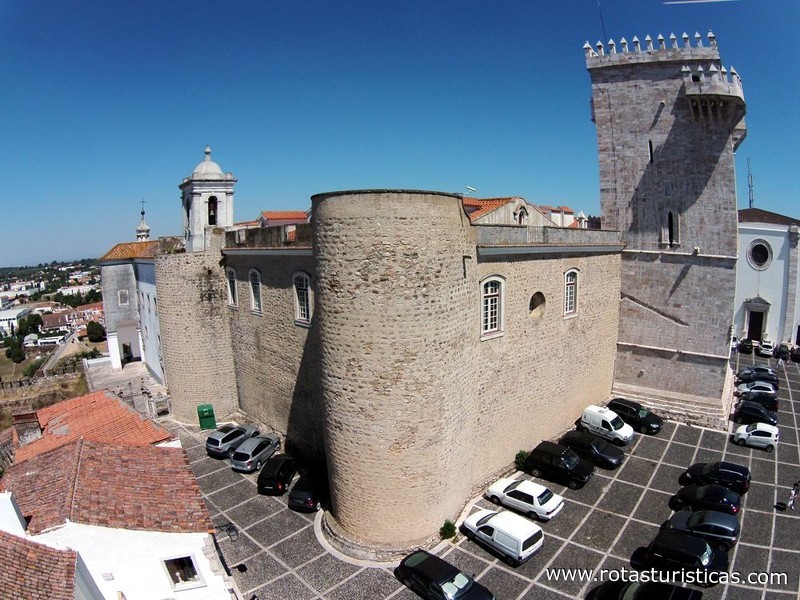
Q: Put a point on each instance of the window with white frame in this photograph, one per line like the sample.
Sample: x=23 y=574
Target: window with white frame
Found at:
x=255 y=291
x=302 y=299
x=571 y=292
x=230 y=275
x=183 y=573
x=492 y=306
x=122 y=297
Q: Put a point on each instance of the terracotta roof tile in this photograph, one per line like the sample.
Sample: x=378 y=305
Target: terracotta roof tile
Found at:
x=486 y=205
x=32 y=570
x=100 y=417
x=131 y=250
x=284 y=215
x=757 y=215
x=129 y=487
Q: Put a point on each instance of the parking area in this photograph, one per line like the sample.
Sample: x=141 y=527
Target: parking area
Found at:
x=277 y=553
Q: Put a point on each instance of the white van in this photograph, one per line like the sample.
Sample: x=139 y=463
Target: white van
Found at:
x=606 y=423
x=515 y=537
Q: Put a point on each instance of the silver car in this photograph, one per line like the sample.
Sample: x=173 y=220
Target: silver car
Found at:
x=224 y=441
x=254 y=452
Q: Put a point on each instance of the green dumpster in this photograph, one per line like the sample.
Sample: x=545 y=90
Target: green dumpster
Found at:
x=205 y=414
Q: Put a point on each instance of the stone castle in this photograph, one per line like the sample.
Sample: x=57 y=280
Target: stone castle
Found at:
x=416 y=348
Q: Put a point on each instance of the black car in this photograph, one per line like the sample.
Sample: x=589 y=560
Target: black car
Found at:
x=593 y=448
x=707 y=497
x=753 y=412
x=309 y=493
x=758 y=374
x=431 y=577
x=795 y=354
x=766 y=399
x=636 y=415
x=720 y=530
x=671 y=551
x=730 y=475
x=276 y=475
x=559 y=463
x=746 y=346
x=782 y=351
x=651 y=590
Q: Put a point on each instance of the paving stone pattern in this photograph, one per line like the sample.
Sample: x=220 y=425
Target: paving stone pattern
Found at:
x=274 y=552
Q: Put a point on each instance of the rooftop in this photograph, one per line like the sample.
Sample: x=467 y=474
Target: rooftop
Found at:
x=32 y=570
x=758 y=215
x=131 y=250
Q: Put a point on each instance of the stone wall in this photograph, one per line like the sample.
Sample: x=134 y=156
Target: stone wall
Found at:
x=195 y=333
x=275 y=359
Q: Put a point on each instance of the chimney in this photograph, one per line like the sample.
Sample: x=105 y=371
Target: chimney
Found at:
x=27 y=427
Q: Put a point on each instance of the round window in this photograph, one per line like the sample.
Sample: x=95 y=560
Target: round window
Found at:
x=759 y=254
x=537 y=305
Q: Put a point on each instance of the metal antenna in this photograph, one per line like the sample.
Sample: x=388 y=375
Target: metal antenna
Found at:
x=751 y=196
x=143 y=203
x=602 y=23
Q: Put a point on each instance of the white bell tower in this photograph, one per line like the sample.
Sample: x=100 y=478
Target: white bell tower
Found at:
x=207 y=200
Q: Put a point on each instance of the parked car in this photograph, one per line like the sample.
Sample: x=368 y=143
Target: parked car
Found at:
x=526 y=497
x=671 y=551
x=606 y=423
x=765 y=348
x=276 y=475
x=795 y=354
x=651 y=590
x=758 y=374
x=746 y=346
x=254 y=452
x=734 y=343
x=592 y=448
x=224 y=441
x=557 y=462
x=766 y=399
x=782 y=351
x=719 y=529
x=309 y=493
x=431 y=577
x=636 y=415
x=514 y=537
x=757 y=435
x=753 y=412
x=707 y=497
x=755 y=386
x=727 y=474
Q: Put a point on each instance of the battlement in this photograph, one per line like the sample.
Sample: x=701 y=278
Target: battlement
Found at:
x=608 y=55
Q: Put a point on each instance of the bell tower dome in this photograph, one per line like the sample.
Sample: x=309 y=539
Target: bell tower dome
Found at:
x=207 y=201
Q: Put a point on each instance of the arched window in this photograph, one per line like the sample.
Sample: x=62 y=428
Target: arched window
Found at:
x=522 y=217
x=492 y=296
x=255 y=291
x=230 y=275
x=571 y=292
x=303 y=306
x=212 y=210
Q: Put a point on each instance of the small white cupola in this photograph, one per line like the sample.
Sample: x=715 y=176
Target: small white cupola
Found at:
x=143 y=229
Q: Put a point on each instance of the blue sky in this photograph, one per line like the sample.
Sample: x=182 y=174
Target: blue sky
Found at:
x=108 y=103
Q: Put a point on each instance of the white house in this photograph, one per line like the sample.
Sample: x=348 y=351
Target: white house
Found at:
x=9 y=319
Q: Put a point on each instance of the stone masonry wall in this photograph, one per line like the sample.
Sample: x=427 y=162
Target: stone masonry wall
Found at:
x=395 y=297
x=275 y=359
x=195 y=333
x=536 y=379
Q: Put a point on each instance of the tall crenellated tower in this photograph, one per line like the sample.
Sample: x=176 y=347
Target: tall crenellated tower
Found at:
x=207 y=198
x=669 y=118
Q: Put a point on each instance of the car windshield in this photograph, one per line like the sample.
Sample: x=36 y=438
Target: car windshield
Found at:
x=752 y=427
x=695 y=519
x=705 y=558
x=643 y=412
x=545 y=497
x=617 y=423
x=599 y=445
x=483 y=520
x=456 y=586
x=225 y=428
x=570 y=460
x=632 y=593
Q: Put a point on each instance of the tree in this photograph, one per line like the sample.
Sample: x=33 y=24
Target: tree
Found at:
x=95 y=331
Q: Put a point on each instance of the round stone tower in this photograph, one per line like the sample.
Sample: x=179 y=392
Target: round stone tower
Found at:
x=395 y=288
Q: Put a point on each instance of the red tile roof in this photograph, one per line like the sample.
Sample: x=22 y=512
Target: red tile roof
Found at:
x=757 y=215
x=131 y=250
x=284 y=215
x=129 y=487
x=32 y=570
x=485 y=206
x=100 y=417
